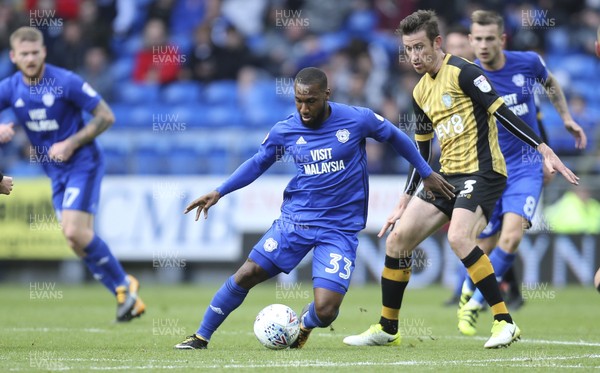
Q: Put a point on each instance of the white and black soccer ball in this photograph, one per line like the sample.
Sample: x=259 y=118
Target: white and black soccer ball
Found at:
x=277 y=326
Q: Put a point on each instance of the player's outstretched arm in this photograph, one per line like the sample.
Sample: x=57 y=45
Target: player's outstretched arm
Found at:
x=521 y=130
x=6 y=132
x=203 y=204
x=553 y=163
x=557 y=97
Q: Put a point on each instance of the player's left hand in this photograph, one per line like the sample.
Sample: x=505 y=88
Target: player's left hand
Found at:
x=61 y=151
x=436 y=183
x=553 y=163
x=577 y=132
x=203 y=204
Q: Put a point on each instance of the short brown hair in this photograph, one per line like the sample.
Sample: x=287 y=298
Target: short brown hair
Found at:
x=420 y=20
x=25 y=34
x=487 y=17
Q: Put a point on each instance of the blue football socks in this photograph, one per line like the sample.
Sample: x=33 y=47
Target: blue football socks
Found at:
x=103 y=265
x=226 y=299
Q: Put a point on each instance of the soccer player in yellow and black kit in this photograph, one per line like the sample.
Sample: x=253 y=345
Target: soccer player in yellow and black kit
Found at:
x=454 y=100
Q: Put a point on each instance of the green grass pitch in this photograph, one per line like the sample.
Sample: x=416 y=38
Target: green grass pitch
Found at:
x=55 y=327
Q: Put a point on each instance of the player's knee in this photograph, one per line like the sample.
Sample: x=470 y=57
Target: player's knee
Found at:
x=326 y=313
x=249 y=275
x=509 y=241
x=394 y=244
x=458 y=241
x=76 y=238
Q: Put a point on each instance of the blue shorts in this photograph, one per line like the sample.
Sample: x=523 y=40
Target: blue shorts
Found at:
x=520 y=197
x=285 y=244
x=78 y=189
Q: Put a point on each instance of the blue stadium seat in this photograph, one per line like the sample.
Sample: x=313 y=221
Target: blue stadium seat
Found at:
x=219 y=161
x=149 y=159
x=116 y=160
x=579 y=66
x=223 y=92
x=134 y=93
x=181 y=92
x=187 y=160
x=122 y=114
x=222 y=116
x=586 y=89
x=122 y=68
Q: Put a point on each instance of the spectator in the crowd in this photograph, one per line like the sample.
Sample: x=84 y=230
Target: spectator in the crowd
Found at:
x=575 y=212
x=69 y=50
x=161 y=9
x=457 y=42
x=10 y=20
x=96 y=71
x=158 y=61
x=201 y=65
x=97 y=29
x=232 y=55
x=325 y=16
x=246 y=16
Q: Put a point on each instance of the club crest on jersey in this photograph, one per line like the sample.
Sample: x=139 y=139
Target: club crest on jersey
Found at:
x=482 y=83
x=270 y=245
x=343 y=135
x=519 y=80
x=48 y=99
x=447 y=100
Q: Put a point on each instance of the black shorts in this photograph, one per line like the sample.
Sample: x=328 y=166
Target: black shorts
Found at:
x=471 y=190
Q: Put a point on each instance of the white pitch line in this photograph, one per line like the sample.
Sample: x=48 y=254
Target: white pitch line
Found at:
x=536 y=341
x=520 y=362
x=53 y=330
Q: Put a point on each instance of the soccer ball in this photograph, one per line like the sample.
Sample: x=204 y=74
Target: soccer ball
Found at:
x=277 y=326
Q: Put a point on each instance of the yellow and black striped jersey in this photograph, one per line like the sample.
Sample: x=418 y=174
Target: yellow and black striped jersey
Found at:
x=458 y=105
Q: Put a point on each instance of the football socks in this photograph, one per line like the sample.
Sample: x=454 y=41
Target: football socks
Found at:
x=394 y=279
x=482 y=273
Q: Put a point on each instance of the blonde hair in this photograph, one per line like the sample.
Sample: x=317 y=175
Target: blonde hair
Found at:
x=25 y=34
x=486 y=17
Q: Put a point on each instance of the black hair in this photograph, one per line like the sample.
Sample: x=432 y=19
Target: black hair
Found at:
x=310 y=76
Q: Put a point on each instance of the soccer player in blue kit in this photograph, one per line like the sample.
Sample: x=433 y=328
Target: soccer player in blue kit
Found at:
x=513 y=75
x=324 y=205
x=49 y=101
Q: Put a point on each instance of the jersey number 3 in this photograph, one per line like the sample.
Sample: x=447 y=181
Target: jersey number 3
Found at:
x=335 y=258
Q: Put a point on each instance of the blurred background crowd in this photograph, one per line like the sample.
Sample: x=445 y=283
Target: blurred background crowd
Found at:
x=195 y=84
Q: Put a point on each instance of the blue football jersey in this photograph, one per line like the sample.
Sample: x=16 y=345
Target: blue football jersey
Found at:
x=516 y=83
x=50 y=110
x=331 y=186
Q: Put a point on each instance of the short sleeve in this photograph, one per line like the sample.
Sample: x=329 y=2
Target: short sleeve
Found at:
x=478 y=87
x=377 y=127
x=5 y=94
x=272 y=147
x=540 y=71
x=81 y=93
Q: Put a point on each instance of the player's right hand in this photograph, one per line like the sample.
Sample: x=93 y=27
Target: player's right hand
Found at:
x=6 y=132
x=395 y=215
x=436 y=183
x=6 y=185
x=203 y=204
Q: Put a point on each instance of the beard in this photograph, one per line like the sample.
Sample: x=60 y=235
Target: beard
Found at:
x=35 y=76
x=317 y=121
